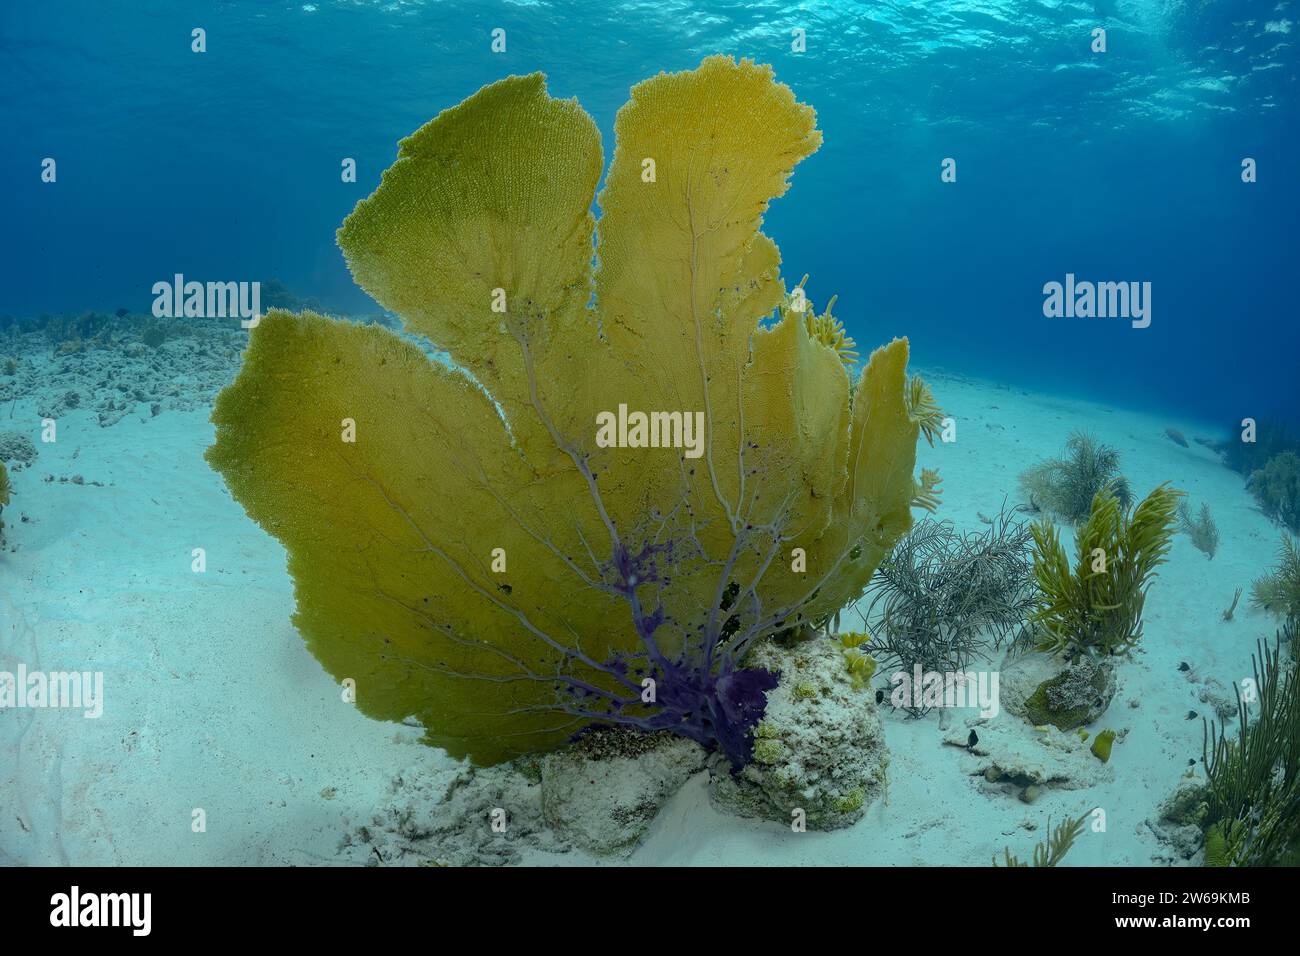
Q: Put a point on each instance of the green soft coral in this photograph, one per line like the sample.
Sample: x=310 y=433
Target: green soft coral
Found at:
x=1279 y=590
x=1253 y=776
x=1277 y=488
x=474 y=558
x=1067 y=486
x=1052 y=850
x=1096 y=607
x=1218 y=849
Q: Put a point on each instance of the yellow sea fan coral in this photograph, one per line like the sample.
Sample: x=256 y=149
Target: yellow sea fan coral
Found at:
x=461 y=544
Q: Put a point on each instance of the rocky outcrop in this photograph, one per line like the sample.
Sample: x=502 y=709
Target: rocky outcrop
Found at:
x=600 y=794
x=17 y=449
x=1021 y=760
x=603 y=792
x=1179 y=823
x=1044 y=689
x=819 y=751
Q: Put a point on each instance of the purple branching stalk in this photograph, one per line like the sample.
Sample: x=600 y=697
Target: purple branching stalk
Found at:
x=701 y=695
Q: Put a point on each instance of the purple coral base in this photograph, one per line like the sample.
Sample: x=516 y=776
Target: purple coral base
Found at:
x=718 y=711
x=703 y=697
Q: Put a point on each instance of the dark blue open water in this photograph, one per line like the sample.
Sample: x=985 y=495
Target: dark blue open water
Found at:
x=1122 y=166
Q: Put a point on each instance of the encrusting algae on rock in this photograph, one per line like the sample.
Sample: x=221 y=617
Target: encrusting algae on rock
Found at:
x=819 y=760
x=461 y=546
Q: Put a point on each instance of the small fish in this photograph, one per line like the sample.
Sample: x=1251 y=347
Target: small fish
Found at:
x=1191 y=761
x=1192 y=715
x=972 y=740
x=1184 y=667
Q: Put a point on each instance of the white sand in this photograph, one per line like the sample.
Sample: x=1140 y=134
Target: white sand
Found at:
x=212 y=701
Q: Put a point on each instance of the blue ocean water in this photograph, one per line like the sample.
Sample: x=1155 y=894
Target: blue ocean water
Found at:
x=1115 y=166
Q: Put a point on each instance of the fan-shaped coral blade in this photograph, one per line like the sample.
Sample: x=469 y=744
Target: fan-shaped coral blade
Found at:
x=723 y=140
x=390 y=480
x=874 y=509
x=797 y=413
x=479 y=236
x=684 y=271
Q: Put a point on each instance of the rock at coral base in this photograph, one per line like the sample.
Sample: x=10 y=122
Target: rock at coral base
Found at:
x=1212 y=692
x=600 y=794
x=603 y=792
x=454 y=815
x=1181 y=819
x=819 y=748
x=1015 y=758
x=1044 y=689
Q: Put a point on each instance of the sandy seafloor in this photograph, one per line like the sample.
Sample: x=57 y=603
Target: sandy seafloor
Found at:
x=212 y=701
